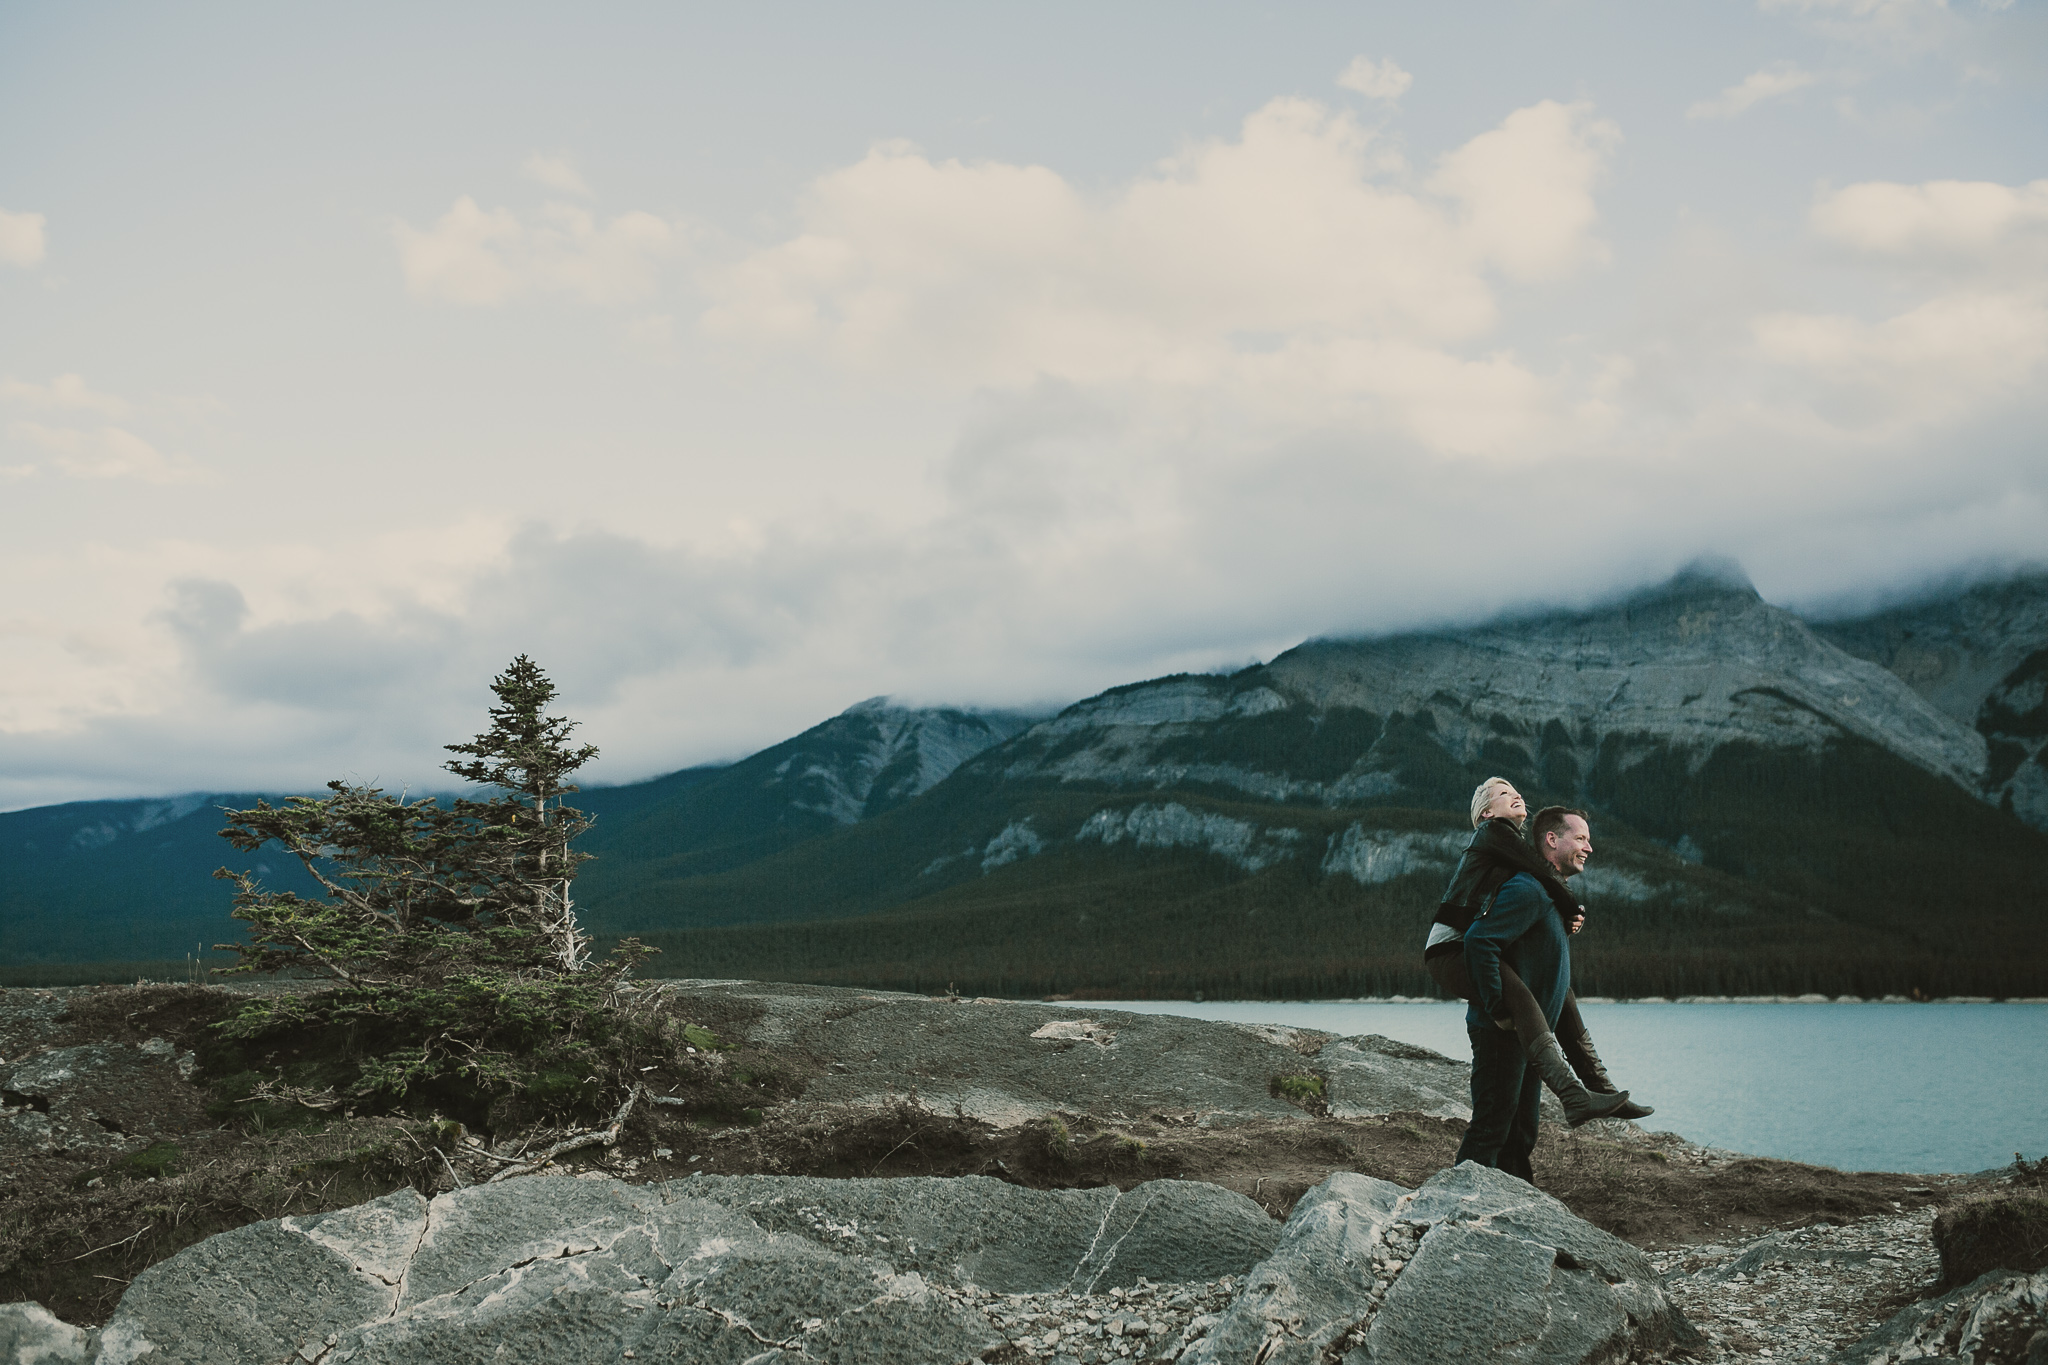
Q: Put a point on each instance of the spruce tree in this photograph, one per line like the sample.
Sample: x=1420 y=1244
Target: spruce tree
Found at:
x=462 y=981
x=422 y=889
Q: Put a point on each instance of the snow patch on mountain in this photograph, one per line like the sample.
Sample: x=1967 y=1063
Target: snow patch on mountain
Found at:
x=1173 y=825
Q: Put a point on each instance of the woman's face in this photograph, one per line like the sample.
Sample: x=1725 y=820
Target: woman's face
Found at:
x=1508 y=802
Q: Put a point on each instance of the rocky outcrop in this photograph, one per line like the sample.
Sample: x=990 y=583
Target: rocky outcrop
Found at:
x=1998 y=1319
x=1376 y=1075
x=96 y=1097
x=1474 y=1266
x=2014 y=723
x=1008 y=1062
x=1951 y=647
x=876 y=754
x=764 y=1268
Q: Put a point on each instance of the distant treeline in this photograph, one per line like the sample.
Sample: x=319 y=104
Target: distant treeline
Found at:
x=1179 y=927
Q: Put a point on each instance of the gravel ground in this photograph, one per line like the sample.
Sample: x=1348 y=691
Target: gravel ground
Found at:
x=1801 y=1296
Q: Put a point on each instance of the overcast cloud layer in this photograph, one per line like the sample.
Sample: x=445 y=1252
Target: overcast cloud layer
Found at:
x=740 y=369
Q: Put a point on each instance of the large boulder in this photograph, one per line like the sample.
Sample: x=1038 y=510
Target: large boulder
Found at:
x=1473 y=1266
x=752 y=1268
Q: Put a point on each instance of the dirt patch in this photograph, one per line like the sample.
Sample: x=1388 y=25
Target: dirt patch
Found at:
x=2004 y=1230
x=1657 y=1191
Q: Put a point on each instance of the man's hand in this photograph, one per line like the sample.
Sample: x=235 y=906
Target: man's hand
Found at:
x=1577 y=923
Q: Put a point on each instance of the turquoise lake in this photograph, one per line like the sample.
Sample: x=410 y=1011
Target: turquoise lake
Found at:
x=1865 y=1087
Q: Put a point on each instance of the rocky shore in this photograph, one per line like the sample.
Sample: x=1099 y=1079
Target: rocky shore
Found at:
x=932 y=1179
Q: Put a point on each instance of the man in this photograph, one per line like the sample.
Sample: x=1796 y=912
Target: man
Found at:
x=1522 y=924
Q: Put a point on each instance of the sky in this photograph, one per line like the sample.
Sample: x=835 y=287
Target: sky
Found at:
x=739 y=363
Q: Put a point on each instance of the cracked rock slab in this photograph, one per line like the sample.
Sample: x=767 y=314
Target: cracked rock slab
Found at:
x=1317 y=1281
x=256 y=1293
x=1009 y=1239
x=712 y=1269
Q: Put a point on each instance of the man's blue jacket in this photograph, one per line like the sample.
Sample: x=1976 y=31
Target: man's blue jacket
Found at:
x=1524 y=925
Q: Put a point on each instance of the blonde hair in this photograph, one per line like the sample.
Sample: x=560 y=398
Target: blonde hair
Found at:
x=1483 y=794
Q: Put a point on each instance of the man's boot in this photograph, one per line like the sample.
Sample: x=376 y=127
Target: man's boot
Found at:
x=1580 y=1104
x=1585 y=1062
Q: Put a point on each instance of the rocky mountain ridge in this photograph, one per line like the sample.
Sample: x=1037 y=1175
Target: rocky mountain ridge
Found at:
x=1951 y=647
x=1701 y=662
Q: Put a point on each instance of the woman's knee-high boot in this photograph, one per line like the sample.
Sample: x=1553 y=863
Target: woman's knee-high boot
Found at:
x=1585 y=1062
x=1580 y=1104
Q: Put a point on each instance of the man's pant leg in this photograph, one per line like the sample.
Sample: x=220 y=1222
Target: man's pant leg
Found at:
x=1498 y=1074
x=1521 y=1141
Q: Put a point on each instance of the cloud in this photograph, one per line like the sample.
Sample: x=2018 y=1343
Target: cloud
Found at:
x=1298 y=238
x=477 y=256
x=1886 y=20
x=1279 y=384
x=1381 y=80
x=1527 y=189
x=66 y=391
x=103 y=453
x=555 y=172
x=22 y=241
x=1769 y=84
x=1976 y=253
x=1944 y=356
x=1944 y=216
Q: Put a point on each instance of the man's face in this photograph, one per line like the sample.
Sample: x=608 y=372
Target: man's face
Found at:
x=1568 y=848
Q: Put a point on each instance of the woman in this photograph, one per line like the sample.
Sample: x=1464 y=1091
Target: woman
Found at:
x=1496 y=853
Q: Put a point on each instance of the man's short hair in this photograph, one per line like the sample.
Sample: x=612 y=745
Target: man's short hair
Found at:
x=1552 y=818
x=1483 y=794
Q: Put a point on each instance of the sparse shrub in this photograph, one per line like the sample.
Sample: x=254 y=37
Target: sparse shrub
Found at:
x=1303 y=1089
x=1059 y=1141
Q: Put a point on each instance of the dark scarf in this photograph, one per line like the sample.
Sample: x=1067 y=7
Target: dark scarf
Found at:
x=1496 y=853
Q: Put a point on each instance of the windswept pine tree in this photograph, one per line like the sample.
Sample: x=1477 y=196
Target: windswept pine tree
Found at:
x=461 y=978
x=418 y=890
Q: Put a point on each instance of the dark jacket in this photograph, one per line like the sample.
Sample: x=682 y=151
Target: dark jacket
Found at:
x=1518 y=923
x=1495 y=853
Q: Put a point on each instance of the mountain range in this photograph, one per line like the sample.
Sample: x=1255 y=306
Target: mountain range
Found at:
x=1852 y=805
